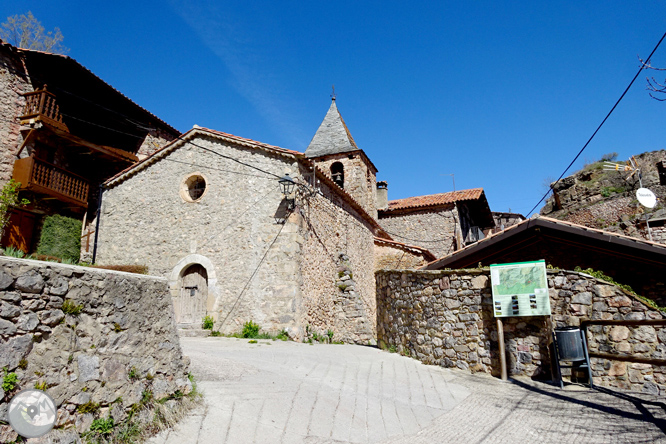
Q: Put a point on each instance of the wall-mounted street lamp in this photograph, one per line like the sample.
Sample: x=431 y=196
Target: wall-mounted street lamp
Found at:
x=287 y=185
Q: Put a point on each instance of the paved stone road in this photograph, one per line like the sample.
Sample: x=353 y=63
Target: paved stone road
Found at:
x=283 y=392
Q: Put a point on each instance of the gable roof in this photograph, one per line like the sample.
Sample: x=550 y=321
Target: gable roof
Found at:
x=45 y=67
x=433 y=200
x=191 y=134
x=563 y=244
x=332 y=136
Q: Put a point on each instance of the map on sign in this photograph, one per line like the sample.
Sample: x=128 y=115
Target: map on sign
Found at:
x=520 y=289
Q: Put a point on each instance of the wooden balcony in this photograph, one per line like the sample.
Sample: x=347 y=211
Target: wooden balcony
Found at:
x=42 y=177
x=41 y=106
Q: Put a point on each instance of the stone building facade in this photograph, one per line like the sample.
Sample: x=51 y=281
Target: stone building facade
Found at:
x=445 y=318
x=261 y=260
x=14 y=82
x=442 y=223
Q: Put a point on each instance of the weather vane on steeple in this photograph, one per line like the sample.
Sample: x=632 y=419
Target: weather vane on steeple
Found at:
x=333 y=93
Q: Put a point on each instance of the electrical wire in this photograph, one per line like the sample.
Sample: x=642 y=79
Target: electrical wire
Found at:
x=251 y=277
x=600 y=125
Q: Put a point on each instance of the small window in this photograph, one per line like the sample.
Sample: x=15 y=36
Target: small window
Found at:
x=661 y=169
x=338 y=174
x=193 y=187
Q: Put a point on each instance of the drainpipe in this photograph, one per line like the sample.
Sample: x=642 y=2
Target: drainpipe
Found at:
x=99 y=215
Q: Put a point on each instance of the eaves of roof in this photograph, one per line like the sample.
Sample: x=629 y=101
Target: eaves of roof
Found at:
x=433 y=200
x=191 y=134
x=199 y=131
x=427 y=255
x=27 y=52
x=555 y=224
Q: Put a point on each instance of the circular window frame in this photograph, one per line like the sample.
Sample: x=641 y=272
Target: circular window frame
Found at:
x=187 y=181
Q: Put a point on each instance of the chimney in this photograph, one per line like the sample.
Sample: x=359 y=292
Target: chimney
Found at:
x=382 y=195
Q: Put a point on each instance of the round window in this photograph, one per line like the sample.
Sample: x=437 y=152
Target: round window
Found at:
x=193 y=187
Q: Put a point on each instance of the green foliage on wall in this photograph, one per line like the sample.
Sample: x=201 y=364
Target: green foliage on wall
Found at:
x=61 y=237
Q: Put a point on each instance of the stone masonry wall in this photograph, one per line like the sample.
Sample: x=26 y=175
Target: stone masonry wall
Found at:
x=154 y=141
x=434 y=230
x=338 y=271
x=445 y=318
x=13 y=83
x=396 y=258
x=122 y=343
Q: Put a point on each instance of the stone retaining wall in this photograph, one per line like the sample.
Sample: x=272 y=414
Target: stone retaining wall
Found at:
x=122 y=343
x=444 y=318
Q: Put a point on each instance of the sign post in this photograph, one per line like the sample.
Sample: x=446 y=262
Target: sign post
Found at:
x=519 y=289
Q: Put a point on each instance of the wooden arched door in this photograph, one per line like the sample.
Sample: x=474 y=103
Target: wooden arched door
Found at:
x=191 y=303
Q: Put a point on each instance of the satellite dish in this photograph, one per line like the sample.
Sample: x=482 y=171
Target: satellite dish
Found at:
x=646 y=197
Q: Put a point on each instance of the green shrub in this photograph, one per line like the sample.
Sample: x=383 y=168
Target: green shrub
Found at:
x=69 y=307
x=146 y=396
x=250 y=330
x=215 y=333
x=88 y=407
x=61 y=237
x=207 y=323
x=9 y=381
x=102 y=426
x=14 y=252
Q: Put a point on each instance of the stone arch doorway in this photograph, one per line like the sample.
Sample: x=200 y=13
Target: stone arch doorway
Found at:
x=190 y=304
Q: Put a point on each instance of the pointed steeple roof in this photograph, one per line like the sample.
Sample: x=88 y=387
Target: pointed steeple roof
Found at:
x=332 y=137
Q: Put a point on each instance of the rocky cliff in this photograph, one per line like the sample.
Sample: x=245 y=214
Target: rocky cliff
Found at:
x=607 y=199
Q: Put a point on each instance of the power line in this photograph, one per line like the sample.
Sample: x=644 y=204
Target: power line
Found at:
x=601 y=124
x=251 y=277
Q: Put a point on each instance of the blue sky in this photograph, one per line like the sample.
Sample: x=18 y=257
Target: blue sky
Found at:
x=501 y=94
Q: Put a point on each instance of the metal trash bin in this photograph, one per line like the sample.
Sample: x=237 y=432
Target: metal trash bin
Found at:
x=570 y=344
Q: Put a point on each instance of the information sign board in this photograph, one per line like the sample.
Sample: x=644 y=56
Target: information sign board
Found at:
x=520 y=289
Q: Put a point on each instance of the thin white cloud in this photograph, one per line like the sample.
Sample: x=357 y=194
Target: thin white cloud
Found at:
x=250 y=76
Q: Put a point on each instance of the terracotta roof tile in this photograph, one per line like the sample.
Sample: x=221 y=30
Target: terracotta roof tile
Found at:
x=250 y=141
x=435 y=199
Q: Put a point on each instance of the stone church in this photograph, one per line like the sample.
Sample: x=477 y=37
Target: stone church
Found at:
x=245 y=231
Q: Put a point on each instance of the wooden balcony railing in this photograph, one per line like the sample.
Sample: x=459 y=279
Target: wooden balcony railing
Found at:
x=42 y=177
x=41 y=105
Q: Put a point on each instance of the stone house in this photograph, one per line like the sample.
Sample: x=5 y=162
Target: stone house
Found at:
x=208 y=212
x=442 y=223
x=63 y=131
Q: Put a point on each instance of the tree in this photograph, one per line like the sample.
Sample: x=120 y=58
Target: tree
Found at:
x=652 y=84
x=25 y=31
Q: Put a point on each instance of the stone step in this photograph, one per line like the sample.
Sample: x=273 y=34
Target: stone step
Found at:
x=193 y=332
